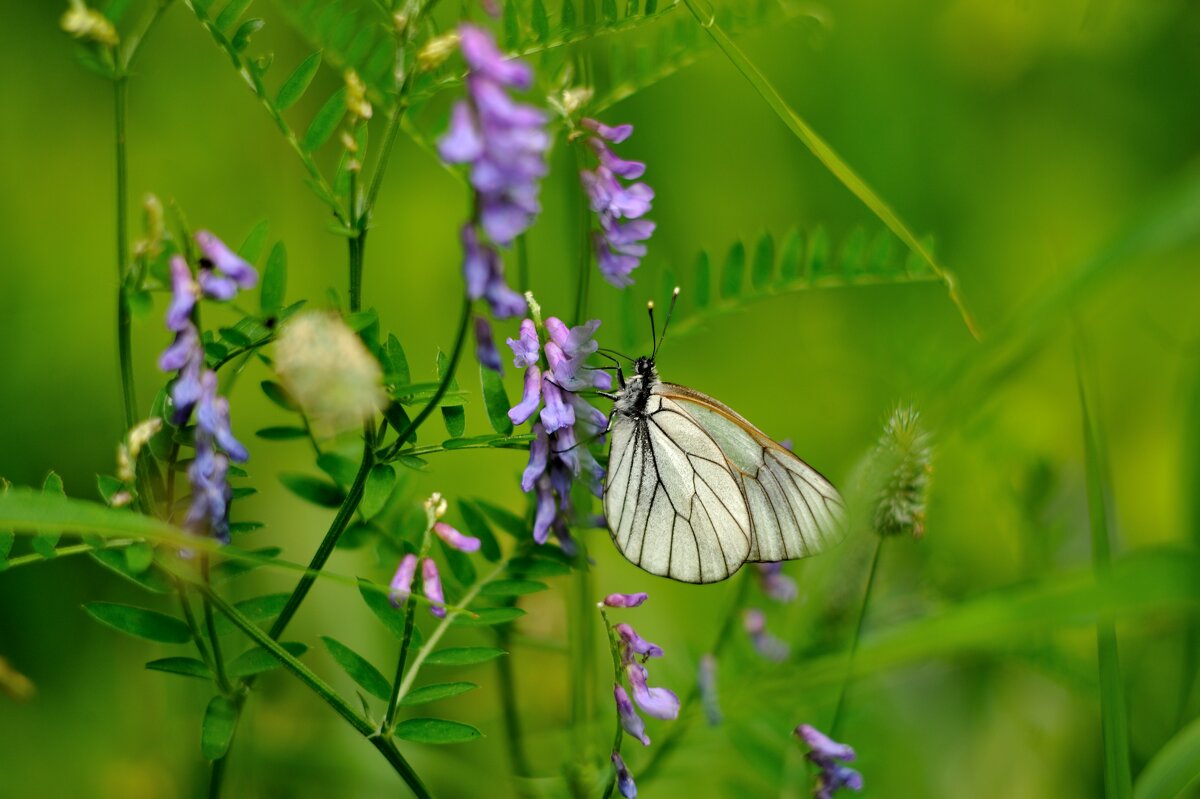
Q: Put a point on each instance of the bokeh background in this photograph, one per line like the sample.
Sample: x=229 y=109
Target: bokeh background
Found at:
x=1024 y=137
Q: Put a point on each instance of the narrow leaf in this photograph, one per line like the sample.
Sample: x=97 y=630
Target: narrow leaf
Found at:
x=140 y=622
x=378 y=489
x=477 y=525
x=313 y=489
x=359 y=669
x=436 y=731
x=343 y=470
x=283 y=433
x=397 y=362
x=495 y=400
x=251 y=246
x=259 y=608
x=1173 y=769
x=436 y=691
x=454 y=416
x=326 y=121
x=220 y=719
x=274 y=281
x=257 y=660
x=188 y=667
x=279 y=395
x=297 y=83
x=763 y=269
x=464 y=656
x=381 y=606
x=513 y=587
x=487 y=617
x=731 y=273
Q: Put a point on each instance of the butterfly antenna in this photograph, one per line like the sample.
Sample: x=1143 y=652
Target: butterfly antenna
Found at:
x=666 y=322
x=606 y=352
x=653 y=335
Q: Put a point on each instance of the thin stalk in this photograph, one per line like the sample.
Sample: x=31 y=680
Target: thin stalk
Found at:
x=391 y=133
x=513 y=736
x=124 y=333
x=342 y=520
x=357 y=246
x=443 y=385
x=190 y=618
x=840 y=707
x=671 y=740
x=705 y=15
x=410 y=612
x=619 y=735
x=216 y=777
x=213 y=639
x=582 y=672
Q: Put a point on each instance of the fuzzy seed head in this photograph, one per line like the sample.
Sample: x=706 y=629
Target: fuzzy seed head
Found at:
x=906 y=450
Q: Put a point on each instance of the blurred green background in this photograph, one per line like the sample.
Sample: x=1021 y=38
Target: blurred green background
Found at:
x=1023 y=136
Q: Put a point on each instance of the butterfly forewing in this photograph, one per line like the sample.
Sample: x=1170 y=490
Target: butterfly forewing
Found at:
x=795 y=512
x=673 y=504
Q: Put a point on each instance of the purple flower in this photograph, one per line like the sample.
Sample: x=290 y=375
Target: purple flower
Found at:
x=659 y=703
x=455 y=539
x=706 y=683
x=531 y=397
x=618 y=245
x=556 y=414
x=636 y=644
x=485 y=345
x=211 y=494
x=545 y=511
x=625 y=600
x=631 y=722
x=775 y=583
x=402 y=580
x=616 y=135
x=825 y=753
x=212 y=418
x=625 y=782
x=768 y=646
x=525 y=347
x=183 y=296
x=431 y=584
x=225 y=260
x=539 y=455
x=484 y=58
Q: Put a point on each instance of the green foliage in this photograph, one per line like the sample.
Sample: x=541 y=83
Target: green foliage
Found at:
x=258 y=660
x=274 y=281
x=297 y=83
x=1174 y=768
x=358 y=667
x=220 y=720
x=185 y=666
x=350 y=34
x=140 y=622
x=495 y=400
x=259 y=609
x=463 y=656
x=313 y=489
x=506 y=588
x=436 y=731
x=380 y=482
x=377 y=600
x=435 y=692
x=489 y=617
x=454 y=415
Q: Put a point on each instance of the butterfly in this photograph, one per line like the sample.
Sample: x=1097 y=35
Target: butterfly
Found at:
x=694 y=490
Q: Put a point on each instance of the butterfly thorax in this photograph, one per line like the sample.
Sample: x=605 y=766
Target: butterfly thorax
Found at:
x=635 y=394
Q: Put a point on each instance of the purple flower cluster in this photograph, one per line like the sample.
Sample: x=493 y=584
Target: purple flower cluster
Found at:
x=825 y=753
x=222 y=273
x=431 y=580
x=768 y=646
x=619 y=245
x=774 y=583
x=504 y=143
x=566 y=423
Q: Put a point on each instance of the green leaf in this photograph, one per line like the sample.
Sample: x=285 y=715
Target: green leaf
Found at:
x=274 y=281
x=436 y=691
x=343 y=470
x=44 y=543
x=512 y=587
x=453 y=415
x=731 y=273
x=227 y=570
x=297 y=83
x=495 y=400
x=6 y=541
x=229 y=15
x=436 y=731
x=279 y=395
x=478 y=526
x=282 y=433
x=139 y=556
x=791 y=256
x=540 y=20
x=257 y=660
x=460 y=565
x=140 y=622
x=378 y=489
x=397 y=362
x=487 y=617
x=763 y=270
x=359 y=669
x=326 y=121
x=537 y=567
x=114 y=559
x=188 y=667
x=463 y=656
x=509 y=522
x=220 y=720
x=252 y=245
x=259 y=608
x=313 y=489
x=241 y=40
x=1174 y=768
x=381 y=606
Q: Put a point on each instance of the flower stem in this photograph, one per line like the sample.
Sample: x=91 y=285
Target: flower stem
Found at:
x=344 y=515
x=619 y=735
x=213 y=639
x=508 y=705
x=358 y=246
x=410 y=611
x=581 y=617
x=124 y=333
x=840 y=708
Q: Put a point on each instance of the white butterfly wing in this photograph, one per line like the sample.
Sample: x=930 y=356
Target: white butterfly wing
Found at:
x=673 y=505
x=795 y=512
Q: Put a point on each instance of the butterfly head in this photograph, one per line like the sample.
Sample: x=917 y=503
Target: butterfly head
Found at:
x=644 y=366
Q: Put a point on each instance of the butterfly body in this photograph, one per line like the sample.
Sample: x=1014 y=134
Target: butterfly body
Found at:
x=694 y=490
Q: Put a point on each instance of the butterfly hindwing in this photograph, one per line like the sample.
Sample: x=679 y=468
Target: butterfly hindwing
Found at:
x=795 y=512
x=673 y=504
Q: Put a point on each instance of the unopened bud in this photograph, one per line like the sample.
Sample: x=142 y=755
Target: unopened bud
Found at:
x=356 y=96
x=435 y=53
x=87 y=23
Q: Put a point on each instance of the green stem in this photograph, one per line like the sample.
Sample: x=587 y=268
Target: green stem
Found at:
x=513 y=736
x=443 y=385
x=410 y=612
x=671 y=740
x=840 y=708
x=619 y=735
x=582 y=669
x=389 y=142
x=217 y=777
x=342 y=520
x=124 y=333
x=705 y=15
x=357 y=250
x=190 y=618
x=213 y=639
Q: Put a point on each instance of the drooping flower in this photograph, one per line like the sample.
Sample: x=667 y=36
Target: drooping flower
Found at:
x=222 y=271
x=505 y=144
x=431 y=584
x=211 y=494
x=637 y=644
x=625 y=783
x=768 y=646
x=619 y=244
x=455 y=539
x=485 y=345
x=829 y=755
x=567 y=422
x=402 y=580
x=625 y=600
x=631 y=722
x=775 y=583
x=661 y=703
x=212 y=418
